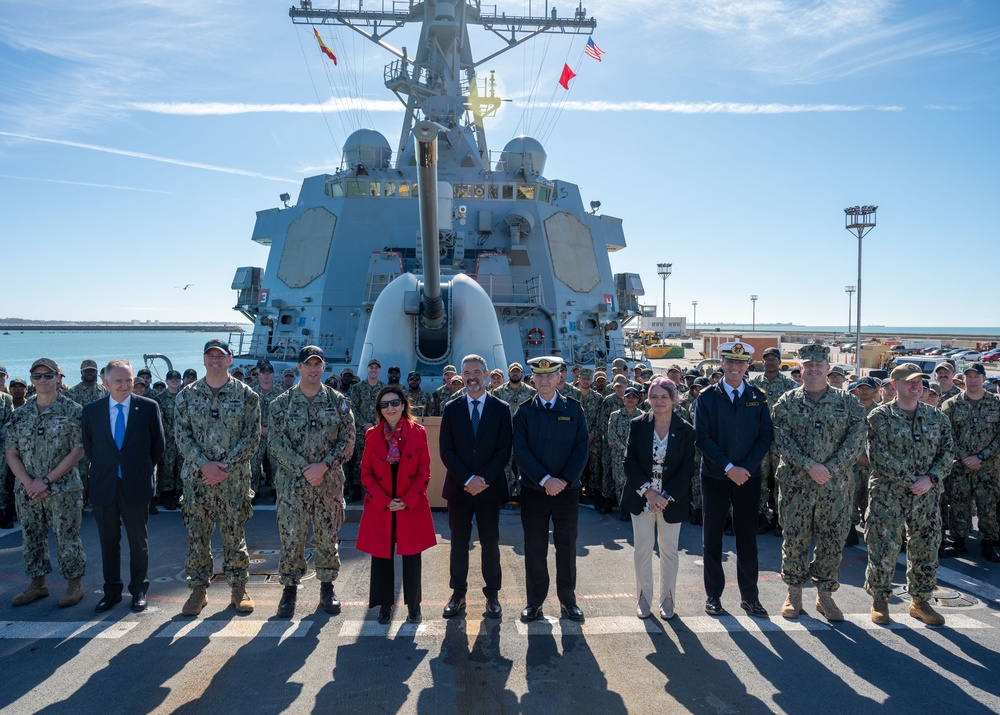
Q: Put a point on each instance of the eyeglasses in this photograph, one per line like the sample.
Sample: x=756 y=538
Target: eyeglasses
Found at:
x=390 y=403
x=43 y=375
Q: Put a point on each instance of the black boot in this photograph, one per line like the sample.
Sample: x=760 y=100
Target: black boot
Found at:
x=6 y=519
x=286 y=607
x=696 y=517
x=958 y=543
x=852 y=537
x=989 y=552
x=328 y=598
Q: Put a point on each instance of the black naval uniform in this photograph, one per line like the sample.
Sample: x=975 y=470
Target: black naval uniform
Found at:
x=739 y=433
x=550 y=442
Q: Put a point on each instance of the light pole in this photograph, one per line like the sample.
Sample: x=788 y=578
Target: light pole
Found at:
x=668 y=310
x=859 y=220
x=850 y=300
x=664 y=270
x=694 y=319
x=753 y=300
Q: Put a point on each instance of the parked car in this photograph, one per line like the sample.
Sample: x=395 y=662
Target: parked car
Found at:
x=971 y=356
x=990 y=357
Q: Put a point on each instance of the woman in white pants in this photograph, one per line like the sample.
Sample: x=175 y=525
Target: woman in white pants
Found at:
x=659 y=464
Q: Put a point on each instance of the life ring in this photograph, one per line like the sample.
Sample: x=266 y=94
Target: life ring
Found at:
x=536 y=336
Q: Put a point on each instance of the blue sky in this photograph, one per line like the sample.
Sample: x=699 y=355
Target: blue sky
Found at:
x=138 y=139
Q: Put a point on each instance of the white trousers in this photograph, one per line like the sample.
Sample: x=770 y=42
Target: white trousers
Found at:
x=645 y=528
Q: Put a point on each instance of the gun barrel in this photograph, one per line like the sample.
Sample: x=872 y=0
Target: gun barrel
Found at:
x=426 y=134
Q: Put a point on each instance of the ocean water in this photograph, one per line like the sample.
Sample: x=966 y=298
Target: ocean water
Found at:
x=68 y=348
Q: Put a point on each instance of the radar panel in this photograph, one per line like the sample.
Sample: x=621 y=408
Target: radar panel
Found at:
x=307 y=247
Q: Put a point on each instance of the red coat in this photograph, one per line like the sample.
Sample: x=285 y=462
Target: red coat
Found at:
x=414 y=525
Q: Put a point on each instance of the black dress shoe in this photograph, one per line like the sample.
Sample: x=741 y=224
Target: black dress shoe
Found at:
x=531 y=613
x=753 y=608
x=328 y=598
x=493 y=609
x=139 y=602
x=713 y=606
x=286 y=606
x=413 y=615
x=624 y=516
x=571 y=612
x=106 y=603
x=384 y=614
x=455 y=606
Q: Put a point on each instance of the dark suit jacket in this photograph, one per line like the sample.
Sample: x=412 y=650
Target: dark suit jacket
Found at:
x=739 y=433
x=554 y=442
x=141 y=450
x=678 y=466
x=485 y=455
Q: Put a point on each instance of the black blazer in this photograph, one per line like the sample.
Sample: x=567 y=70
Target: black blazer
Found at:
x=141 y=450
x=485 y=455
x=678 y=466
x=740 y=433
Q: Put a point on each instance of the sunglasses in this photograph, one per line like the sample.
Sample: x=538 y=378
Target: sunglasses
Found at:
x=43 y=375
x=390 y=403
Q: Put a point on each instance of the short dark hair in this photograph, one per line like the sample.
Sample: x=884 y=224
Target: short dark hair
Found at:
x=395 y=390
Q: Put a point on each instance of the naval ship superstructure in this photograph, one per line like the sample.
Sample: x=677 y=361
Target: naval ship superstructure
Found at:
x=526 y=240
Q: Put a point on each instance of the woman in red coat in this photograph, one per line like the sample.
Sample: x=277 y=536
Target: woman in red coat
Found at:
x=395 y=472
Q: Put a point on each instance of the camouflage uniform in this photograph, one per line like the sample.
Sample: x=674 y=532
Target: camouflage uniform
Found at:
x=83 y=394
x=692 y=406
x=609 y=405
x=6 y=410
x=773 y=389
x=858 y=489
x=421 y=402
x=362 y=398
x=42 y=441
x=593 y=476
x=303 y=432
x=616 y=442
x=168 y=473
x=831 y=432
x=439 y=398
x=571 y=392
x=975 y=427
x=257 y=472
x=223 y=428
x=901 y=448
x=515 y=397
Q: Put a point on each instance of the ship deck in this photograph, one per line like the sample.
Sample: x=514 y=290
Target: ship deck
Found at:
x=74 y=660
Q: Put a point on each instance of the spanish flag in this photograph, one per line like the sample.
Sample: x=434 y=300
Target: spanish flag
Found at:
x=326 y=50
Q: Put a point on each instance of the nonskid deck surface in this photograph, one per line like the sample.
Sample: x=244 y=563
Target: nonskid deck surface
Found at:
x=161 y=661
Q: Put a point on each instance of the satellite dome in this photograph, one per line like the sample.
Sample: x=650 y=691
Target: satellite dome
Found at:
x=368 y=147
x=523 y=152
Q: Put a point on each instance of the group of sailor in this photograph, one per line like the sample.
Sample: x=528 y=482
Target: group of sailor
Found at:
x=911 y=471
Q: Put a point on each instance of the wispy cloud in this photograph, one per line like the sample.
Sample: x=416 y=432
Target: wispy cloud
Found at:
x=721 y=107
x=202 y=109
x=84 y=183
x=148 y=157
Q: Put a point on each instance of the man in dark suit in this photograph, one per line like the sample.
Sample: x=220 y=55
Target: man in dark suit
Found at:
x=123 y=438
x=475 y=442
x=551 y=444
x=733 y=427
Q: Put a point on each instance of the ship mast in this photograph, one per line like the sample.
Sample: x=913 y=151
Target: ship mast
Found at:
x=441 y=80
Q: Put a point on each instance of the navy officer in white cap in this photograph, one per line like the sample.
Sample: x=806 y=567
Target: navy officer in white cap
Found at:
x=550 y=449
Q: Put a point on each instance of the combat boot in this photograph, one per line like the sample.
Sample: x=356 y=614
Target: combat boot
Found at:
x=73 y=595
x=958 y=543
x=922 y=611
x=196 y=601
x=286 y=606
x=826 y=606
x=35 y=590
x=328 y=598
x=792 y=606
x=880 y=612
x=241 y=599
x=988 y=550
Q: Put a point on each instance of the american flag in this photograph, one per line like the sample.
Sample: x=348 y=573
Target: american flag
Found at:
x=593 y=50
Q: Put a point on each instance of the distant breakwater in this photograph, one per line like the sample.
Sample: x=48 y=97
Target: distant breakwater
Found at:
x=130 y=327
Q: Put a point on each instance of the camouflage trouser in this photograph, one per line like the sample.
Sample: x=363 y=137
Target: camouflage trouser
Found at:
x=768 y=484
x=168 y=473
x=6 y=489
x=858 y=490
x=593 y=474
x=258 y=475
x=696 y=502
x=513 y=483
x=614 y=473
x=62 y=512
x=965 y=487
x=229 y=502
x=812 y=513
x=352 y=471
x=84 y=466
x=892 y=508
x=299 y=503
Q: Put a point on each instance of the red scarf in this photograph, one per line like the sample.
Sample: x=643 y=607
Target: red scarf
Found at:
x=392 y=438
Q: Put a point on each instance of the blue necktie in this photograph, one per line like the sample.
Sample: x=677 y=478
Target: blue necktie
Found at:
x=120 y=432
x=475 y=417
